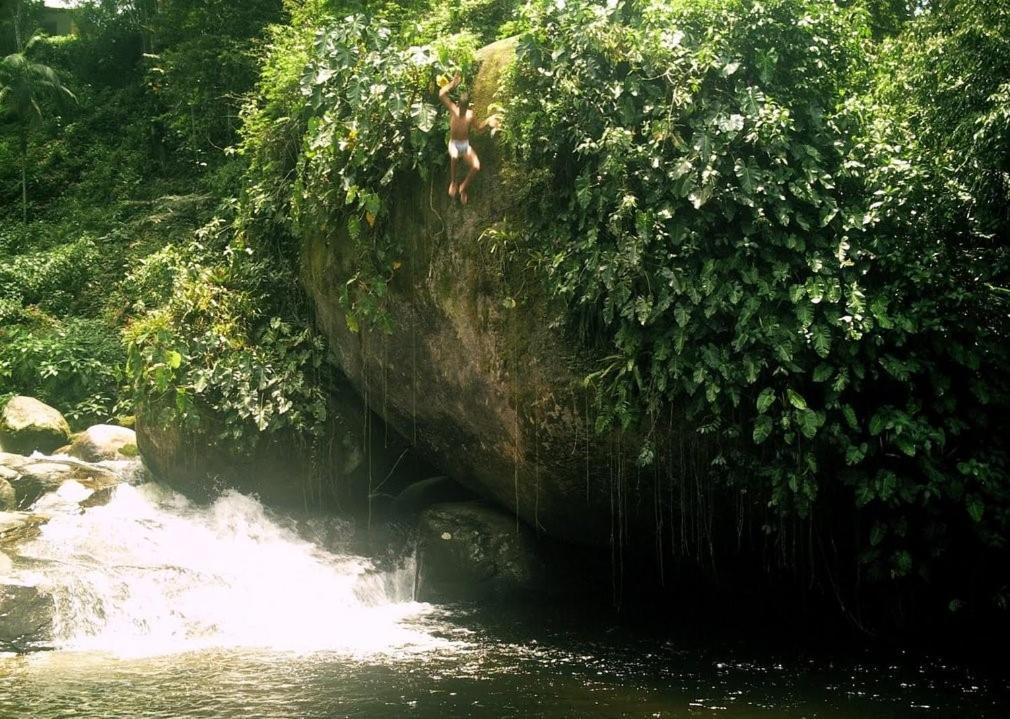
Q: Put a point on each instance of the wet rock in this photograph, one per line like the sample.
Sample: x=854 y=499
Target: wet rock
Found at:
x=472 y=551
x=16 y=527
x=435 y=490
x=104 y=441
x=9 y=464
x=26 y=618
x=33 y=477
x=27 y=425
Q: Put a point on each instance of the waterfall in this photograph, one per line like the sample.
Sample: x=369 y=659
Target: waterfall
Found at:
x=152 y=573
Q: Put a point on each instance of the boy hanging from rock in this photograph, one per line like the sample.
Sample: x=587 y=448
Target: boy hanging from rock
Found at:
x=460 y=119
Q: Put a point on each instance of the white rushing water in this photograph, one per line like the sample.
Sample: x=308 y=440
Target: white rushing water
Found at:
x=151 y=573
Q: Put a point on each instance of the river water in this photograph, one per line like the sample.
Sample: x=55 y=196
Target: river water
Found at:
x=166 y=609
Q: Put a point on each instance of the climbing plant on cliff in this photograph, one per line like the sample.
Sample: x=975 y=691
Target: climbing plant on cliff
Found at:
x=728 y=223
x=360 y=113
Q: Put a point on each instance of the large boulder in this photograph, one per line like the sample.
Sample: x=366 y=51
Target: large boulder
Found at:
x=104 y=441
x=474 y=551
x=488 y=390
x=27 y=425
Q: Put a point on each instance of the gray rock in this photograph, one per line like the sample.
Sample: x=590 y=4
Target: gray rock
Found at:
x=27 y=425
x=8 y=499
x=104 y=441
x=472 y=551
x=26 y=618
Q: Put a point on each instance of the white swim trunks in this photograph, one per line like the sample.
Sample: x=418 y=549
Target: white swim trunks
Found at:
x=458 y=148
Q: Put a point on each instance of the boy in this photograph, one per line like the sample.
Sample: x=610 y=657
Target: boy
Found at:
x=460 y=117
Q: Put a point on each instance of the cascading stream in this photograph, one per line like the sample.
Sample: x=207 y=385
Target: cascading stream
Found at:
x=151 y=573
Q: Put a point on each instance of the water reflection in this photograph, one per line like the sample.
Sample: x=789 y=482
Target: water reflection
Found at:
x=479 y=673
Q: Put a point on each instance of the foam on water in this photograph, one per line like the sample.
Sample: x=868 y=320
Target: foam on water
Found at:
x=150 y=573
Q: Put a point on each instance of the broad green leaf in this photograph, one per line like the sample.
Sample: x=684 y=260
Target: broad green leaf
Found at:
x=975 y=508
x=808 y=423
x=796 y=399
x=823 y=372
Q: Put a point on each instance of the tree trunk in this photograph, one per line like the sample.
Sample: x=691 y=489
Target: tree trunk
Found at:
x=24 y=176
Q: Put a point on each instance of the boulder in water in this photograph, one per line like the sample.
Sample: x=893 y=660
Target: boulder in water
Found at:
x=27 y=425
x=26 y=618
x=99 y=498
x=33 y=477
x=473 y=551
x=104 y=441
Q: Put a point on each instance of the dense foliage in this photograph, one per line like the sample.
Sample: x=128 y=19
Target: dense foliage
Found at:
x=117 y=185
x=773 y=250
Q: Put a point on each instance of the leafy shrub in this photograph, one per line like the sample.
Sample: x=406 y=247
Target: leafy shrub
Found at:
x=365 y=116
x=488 y=19
x=706 y=216
x=53 y=278
x=149 y=284
x=74 y=365
x=221 y=349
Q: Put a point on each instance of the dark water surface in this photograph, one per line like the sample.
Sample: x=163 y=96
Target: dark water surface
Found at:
x=503 y=665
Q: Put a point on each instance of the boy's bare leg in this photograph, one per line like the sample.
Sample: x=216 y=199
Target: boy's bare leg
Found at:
x=474 y=162
x=452 y=177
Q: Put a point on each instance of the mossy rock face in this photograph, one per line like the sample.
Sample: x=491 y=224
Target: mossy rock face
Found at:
x=477 y=371
x=28 y=425
x=197 y=463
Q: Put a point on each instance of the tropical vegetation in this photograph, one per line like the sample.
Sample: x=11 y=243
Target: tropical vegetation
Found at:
x=785 y=221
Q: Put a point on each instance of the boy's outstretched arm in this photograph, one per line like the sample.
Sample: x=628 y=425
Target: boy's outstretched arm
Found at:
x=443 y=93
